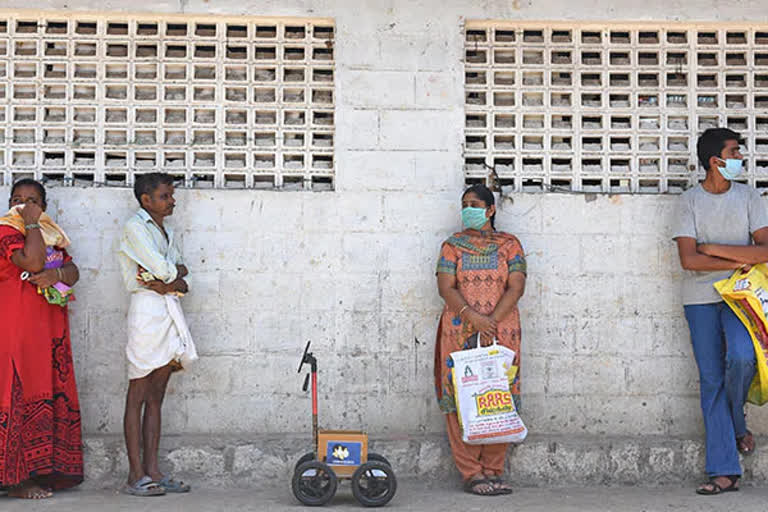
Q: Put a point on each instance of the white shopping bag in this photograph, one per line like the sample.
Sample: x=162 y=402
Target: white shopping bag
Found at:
x=486 y=411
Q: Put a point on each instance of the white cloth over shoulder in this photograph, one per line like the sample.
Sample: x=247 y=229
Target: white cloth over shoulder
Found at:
x=157 y=334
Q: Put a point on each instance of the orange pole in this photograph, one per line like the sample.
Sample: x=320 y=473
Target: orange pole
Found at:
x=314 y=410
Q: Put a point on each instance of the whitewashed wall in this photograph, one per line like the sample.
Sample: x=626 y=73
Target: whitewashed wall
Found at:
x=605 y=345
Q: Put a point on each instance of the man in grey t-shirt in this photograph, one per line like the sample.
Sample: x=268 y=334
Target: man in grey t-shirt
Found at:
x=721 y=226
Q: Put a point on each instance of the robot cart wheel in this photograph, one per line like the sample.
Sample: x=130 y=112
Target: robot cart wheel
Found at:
x=314 y=483
x=372 y=456
x=374 y=484
x=304 y=458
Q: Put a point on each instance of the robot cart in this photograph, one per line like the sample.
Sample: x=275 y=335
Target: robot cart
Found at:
x=339 y=455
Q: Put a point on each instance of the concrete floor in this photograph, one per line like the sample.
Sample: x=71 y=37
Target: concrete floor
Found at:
x=410 y=496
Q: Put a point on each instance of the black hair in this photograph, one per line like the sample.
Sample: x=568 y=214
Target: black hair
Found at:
x=28 y=182
x=712 y=142
x=485 y=195
x=148 y=183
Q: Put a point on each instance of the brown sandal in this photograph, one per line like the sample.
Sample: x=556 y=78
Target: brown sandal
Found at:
x=715 y=488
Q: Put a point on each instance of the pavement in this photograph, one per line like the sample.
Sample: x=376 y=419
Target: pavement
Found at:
x=411 y=496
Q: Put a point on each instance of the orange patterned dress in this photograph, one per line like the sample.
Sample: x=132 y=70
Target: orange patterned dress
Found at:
x=481 y=264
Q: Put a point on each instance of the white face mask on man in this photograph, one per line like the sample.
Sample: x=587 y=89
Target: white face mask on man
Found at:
x=733 y=168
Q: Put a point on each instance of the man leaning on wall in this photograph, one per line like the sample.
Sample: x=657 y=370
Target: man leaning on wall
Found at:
x=721 y=226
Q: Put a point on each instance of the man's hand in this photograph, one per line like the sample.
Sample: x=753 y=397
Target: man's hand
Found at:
x=180 y=285
x=31 y=213
x=183 y=272
x=709 y=250
x=45 y=279
x=156 y=286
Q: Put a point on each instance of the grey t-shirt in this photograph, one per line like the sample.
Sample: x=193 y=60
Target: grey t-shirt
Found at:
x=729 y=218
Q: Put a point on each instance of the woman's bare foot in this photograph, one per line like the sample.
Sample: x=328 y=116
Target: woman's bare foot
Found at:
x=29 y=490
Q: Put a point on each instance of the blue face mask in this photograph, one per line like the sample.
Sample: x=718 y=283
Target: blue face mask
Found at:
x=473 y=218
x=732 y=169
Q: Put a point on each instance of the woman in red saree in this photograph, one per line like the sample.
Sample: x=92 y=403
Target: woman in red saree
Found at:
x=40 y=442
x=481 y=276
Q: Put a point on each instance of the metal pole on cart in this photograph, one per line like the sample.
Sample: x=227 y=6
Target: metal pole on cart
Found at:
x=309 y=359
x=314 y=403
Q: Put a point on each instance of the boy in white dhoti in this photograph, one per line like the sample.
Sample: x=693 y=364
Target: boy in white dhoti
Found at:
x=159 y=341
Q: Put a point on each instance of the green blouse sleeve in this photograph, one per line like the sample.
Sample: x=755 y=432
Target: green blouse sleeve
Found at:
x=448 y=262
x=516 y=257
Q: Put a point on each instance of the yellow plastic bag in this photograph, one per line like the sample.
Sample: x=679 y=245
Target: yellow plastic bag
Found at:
x=747 y=295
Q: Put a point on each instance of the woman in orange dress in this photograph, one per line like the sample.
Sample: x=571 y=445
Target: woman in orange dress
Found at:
x=480 y=276
x=40 y=443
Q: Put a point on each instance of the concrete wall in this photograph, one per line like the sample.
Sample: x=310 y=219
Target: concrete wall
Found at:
x=605 y=347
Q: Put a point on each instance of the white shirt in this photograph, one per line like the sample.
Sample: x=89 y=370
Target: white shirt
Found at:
x=143 y=243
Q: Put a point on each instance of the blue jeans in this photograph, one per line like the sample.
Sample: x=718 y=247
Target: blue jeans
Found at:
x=726 y=359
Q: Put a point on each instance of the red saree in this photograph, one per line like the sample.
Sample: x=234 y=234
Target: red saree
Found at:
x=39 y=410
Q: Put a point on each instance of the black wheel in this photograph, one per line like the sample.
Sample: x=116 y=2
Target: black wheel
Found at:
x=374 y=484
x=376 y=457
x=314 y=483
x=304 y=458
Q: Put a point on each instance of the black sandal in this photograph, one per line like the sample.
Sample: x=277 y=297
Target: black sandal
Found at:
x=715 y=487
x=496 y=481
x=469 y=487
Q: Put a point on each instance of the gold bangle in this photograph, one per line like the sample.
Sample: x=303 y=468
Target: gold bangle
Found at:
x=462 y=309
x=59 y=274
